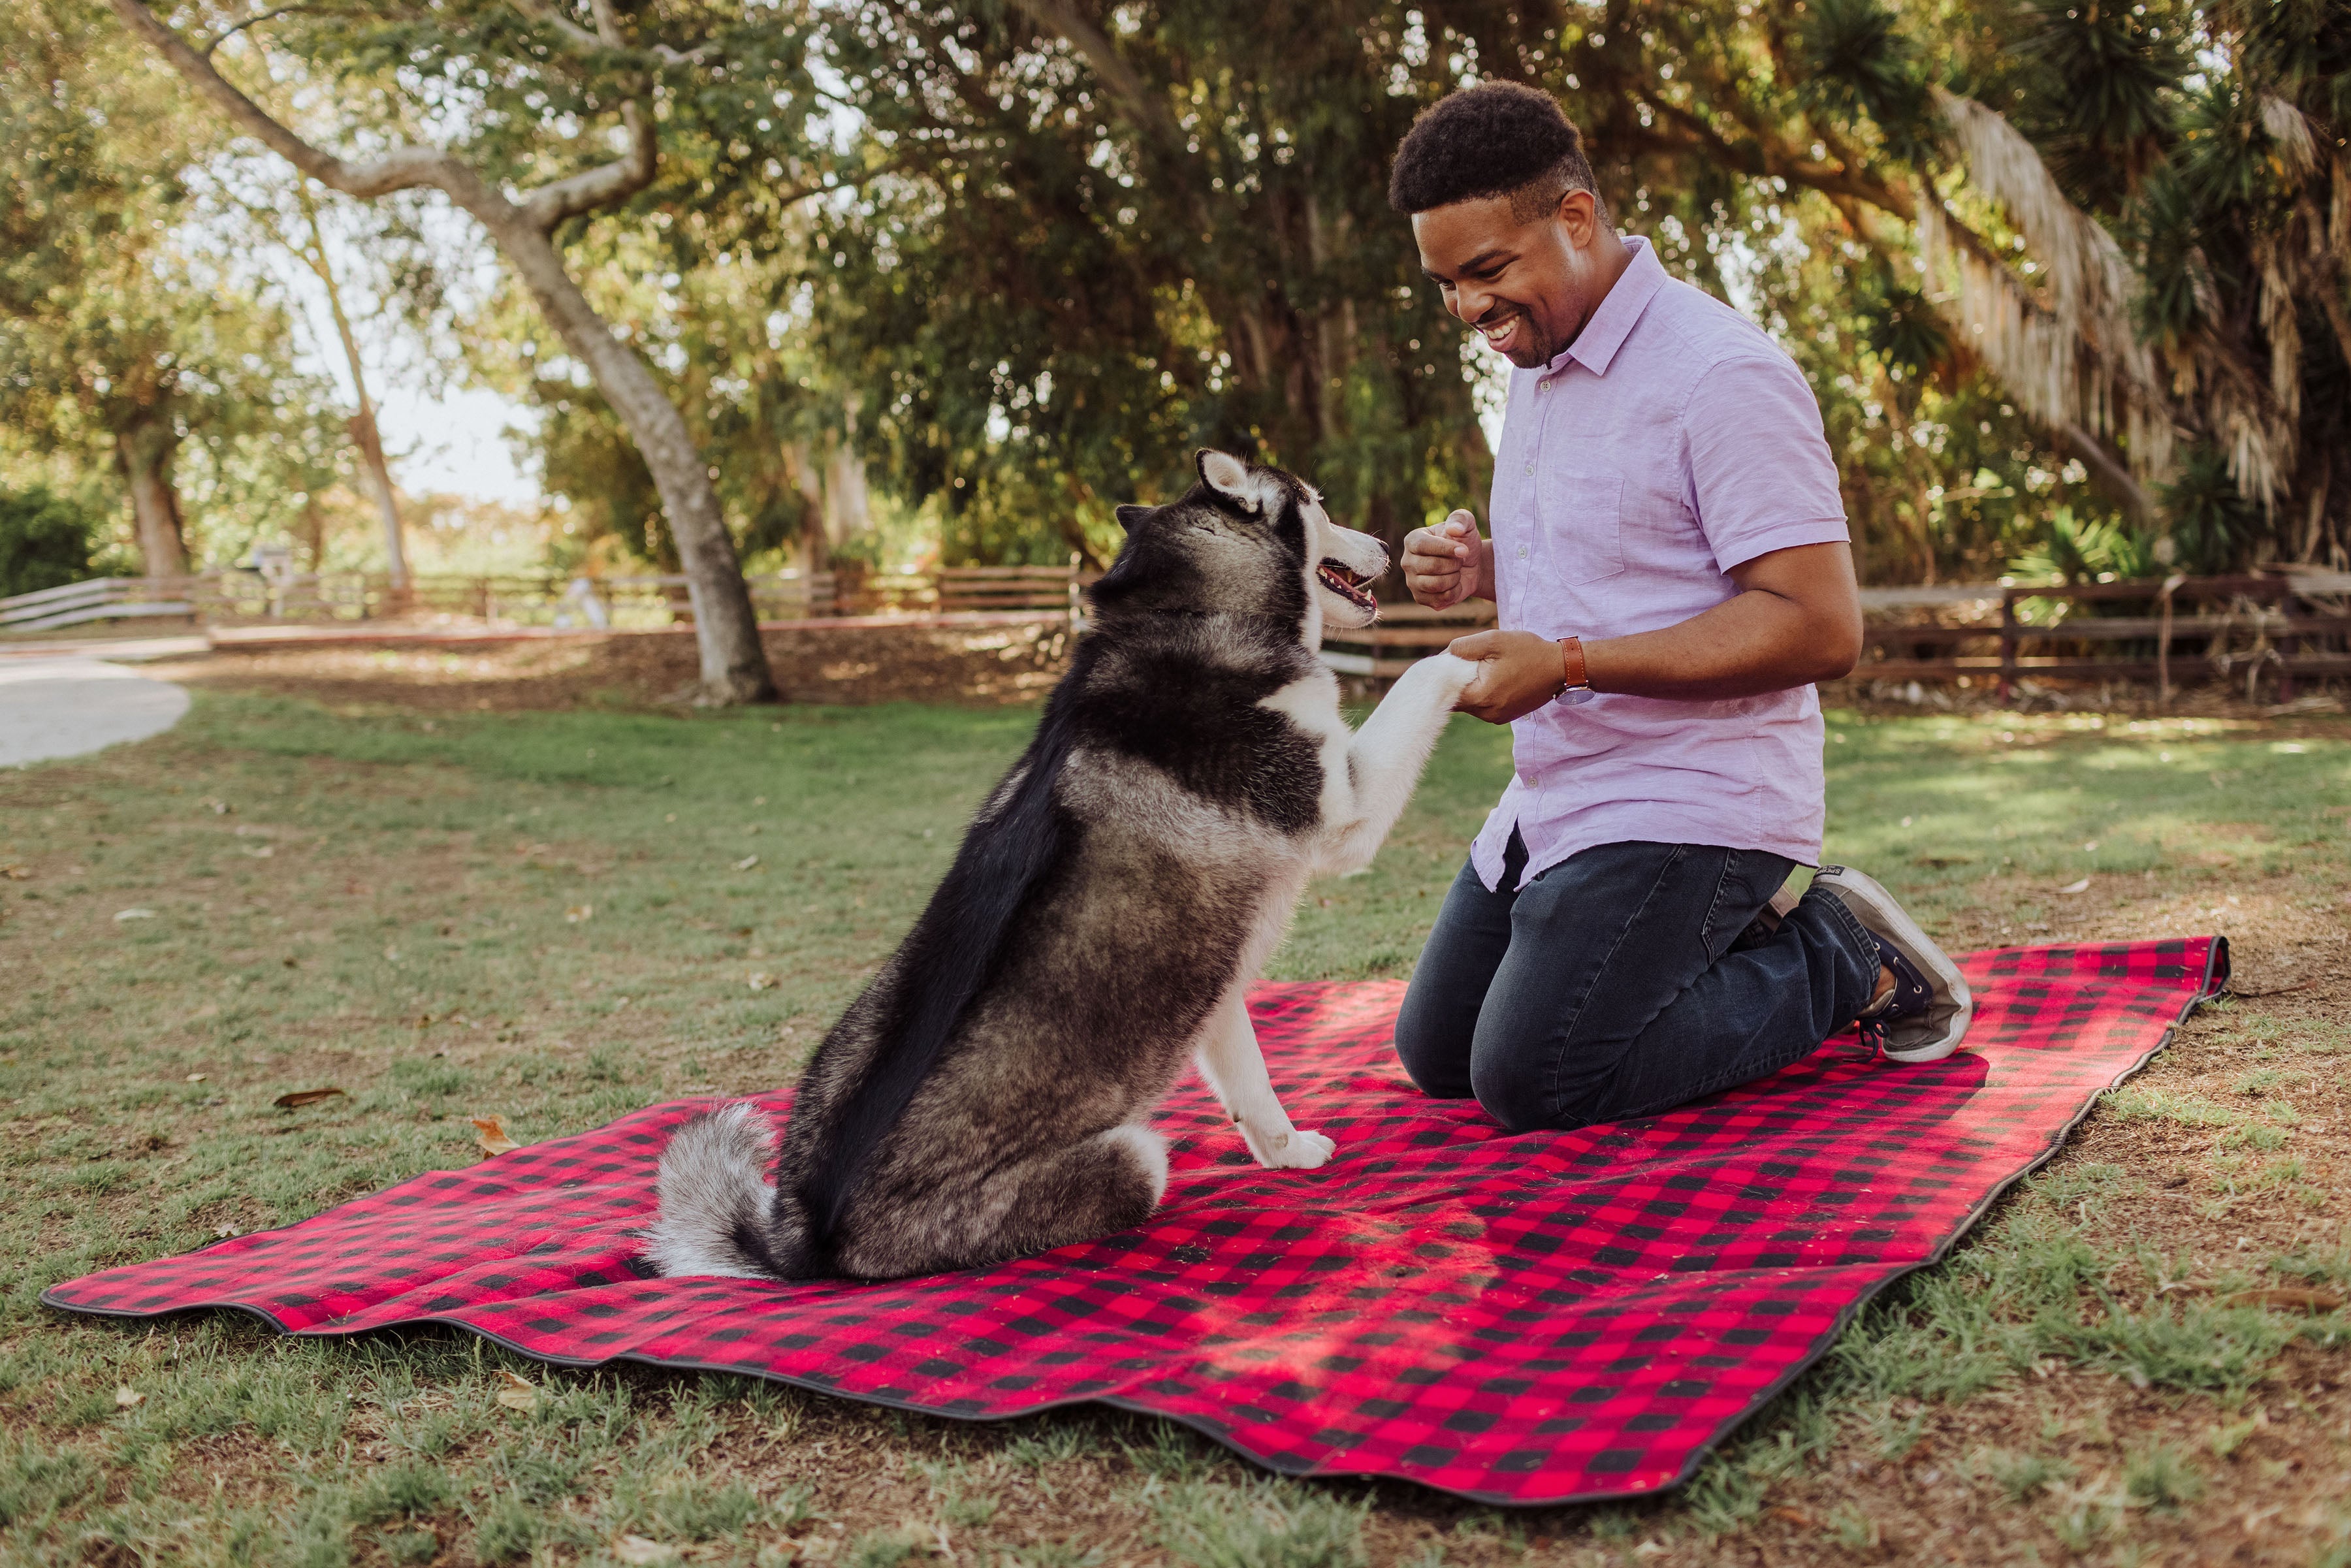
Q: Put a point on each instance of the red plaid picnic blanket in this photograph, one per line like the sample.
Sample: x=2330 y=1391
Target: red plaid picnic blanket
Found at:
x=1536 y=1318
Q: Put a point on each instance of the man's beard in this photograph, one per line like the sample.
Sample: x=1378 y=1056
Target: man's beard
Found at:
x=1531 y=347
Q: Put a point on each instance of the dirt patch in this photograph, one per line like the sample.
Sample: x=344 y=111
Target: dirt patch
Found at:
x=855 y=666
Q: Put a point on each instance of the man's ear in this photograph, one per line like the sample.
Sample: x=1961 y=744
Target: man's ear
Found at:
x=1228 y=476
x=1129 y=515
x=1579 y=209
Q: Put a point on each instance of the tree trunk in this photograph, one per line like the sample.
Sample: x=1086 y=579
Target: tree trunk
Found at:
x=144 y=454
x=725 y=629
x=816 y=543
x=366 y=435
x=848 y=509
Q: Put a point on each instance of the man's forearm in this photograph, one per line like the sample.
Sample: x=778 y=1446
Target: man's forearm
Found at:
x=1758 y=641
x=1796 y=620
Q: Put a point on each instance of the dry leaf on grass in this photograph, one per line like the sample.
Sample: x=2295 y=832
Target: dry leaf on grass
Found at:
x=636 y=1549
x=491 y=1133
x=122 y=915
x=578 y=912
x=2081 y=886
x=17 y=873
x=294 y=1100
x=747 y=863
x=127 y=1398
x=2291 y=1296
x=517 y=1393
x=222 y=1232
x=763 y=981
x=195 y=1078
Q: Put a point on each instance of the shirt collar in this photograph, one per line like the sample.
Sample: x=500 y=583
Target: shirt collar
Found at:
x=1596 y=345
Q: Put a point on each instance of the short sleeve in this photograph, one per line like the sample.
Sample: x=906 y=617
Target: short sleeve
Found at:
x=1761 y=478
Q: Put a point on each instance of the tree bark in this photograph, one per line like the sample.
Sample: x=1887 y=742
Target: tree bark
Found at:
x=144 y=453
x=726 y=631
x=366 y=435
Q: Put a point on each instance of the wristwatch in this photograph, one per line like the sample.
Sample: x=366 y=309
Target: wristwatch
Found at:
x=1578 y=686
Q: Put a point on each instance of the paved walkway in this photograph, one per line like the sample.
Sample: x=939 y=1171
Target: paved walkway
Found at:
x=52 y=706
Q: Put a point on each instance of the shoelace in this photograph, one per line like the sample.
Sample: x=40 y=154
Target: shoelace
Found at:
x=1910 y=993
x=1872 y=1035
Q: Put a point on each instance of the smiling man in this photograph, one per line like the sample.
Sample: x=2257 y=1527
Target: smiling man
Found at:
x=1669 y=560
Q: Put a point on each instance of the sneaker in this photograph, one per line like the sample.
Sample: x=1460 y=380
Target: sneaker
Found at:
x=1923 y=1016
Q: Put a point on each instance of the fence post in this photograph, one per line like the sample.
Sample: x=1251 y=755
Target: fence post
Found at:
x=2007 y=642
x=2290 y=643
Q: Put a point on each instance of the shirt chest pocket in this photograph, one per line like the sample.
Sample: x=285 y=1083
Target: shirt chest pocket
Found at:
x=1580 y=506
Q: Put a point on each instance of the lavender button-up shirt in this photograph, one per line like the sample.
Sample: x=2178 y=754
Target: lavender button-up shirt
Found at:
x=1672 y=442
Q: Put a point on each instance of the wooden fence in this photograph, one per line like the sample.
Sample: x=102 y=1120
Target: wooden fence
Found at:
x=244 y=598
x=2172 y=631
x=2283 y=626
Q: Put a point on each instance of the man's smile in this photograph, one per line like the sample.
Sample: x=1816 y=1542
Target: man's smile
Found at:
x=1504 y=331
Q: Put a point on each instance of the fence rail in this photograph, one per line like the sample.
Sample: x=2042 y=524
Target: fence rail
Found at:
x=242 y=598
x=2282 y=625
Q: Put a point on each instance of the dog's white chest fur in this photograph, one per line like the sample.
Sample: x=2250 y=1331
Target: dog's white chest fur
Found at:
x=1312 y=703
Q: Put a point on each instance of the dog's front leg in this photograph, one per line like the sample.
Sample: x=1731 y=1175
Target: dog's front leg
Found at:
x=1234 y=1071
x=1384 y=759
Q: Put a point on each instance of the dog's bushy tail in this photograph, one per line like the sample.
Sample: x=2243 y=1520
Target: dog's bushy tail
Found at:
x=718 y=1214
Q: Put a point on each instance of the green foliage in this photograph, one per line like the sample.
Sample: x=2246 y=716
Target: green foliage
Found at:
x=2213 y=524
x=127 y=337
x=2086 y=551
x=45 y=542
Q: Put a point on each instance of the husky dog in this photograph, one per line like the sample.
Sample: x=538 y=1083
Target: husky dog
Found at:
x=989 y=1095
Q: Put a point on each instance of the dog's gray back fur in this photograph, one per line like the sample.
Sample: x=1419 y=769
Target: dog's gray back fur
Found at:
x=981 y=1099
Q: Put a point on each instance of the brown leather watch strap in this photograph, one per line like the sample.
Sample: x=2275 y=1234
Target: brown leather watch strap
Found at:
x=1571 y=652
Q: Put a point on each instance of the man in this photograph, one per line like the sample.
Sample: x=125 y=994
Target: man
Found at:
x=1670 y=562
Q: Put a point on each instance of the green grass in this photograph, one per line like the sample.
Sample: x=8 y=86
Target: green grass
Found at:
x=555 y=918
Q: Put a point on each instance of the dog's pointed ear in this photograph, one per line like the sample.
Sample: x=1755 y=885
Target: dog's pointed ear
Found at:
x=1228 y=476
x=1129 y=515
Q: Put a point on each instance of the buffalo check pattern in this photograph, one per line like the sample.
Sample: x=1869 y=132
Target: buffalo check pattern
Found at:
x=1535 y=1318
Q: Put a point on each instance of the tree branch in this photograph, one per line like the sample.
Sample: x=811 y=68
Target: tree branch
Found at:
x=2114 y=476
x=403 y=169
x=234 y=28
x=580 y=40
x=1060 y=17
x=577 y=38
x=591 y=188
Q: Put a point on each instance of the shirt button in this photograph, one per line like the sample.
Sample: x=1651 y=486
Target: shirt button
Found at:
x=1530 y=467
x=1523 y=552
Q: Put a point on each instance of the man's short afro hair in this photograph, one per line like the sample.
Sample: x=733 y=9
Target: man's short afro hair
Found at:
x=1495 y=138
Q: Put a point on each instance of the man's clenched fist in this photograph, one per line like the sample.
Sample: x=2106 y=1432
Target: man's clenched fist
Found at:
x=1448 y=563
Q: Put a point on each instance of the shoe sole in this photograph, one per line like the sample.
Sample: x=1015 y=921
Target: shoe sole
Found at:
x=1921 y=948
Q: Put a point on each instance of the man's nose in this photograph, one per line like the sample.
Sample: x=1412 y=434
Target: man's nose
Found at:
x=1469 y=304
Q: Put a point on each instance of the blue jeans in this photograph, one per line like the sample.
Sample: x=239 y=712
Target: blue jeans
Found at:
x=1626 y=980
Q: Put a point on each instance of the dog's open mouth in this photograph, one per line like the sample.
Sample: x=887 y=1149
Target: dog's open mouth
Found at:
x=1348 y=585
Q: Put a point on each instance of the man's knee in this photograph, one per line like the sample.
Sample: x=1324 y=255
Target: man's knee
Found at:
x=1513 y=1091
x=1519 y=1093
x=1435 y=1051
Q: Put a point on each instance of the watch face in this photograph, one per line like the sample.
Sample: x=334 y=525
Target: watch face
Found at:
x=1574 y=695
